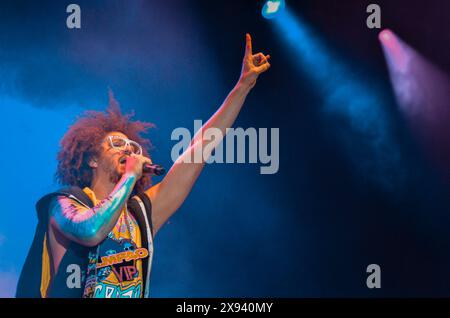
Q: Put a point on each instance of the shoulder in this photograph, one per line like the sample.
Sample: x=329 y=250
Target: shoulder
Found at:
x=143 y=199
x=141 y=203
x=141 y=206
x=71 y=194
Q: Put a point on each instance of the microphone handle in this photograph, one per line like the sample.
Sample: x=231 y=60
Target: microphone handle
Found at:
x=153 y=169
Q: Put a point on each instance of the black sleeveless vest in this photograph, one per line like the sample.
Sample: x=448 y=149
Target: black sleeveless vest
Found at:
x=29 y=284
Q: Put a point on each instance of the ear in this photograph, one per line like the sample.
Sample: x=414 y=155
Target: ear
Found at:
x=93 y=163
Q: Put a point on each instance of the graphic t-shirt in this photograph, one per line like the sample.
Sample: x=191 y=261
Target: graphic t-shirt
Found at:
x=119 y=263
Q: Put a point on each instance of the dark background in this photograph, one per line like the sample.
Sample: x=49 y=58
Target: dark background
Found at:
x=308 y=231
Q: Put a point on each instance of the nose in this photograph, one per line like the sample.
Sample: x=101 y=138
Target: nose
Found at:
x=128 y=149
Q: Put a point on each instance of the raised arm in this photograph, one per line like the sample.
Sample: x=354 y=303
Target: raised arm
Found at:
x=90 y=226
x=168 y=195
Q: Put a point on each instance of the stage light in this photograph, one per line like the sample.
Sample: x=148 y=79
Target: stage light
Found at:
x=397 y=53
x=422 y=91
x=385 y=35
x=272 y=8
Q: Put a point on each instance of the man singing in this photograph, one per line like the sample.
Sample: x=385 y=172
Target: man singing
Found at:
x=94 y=238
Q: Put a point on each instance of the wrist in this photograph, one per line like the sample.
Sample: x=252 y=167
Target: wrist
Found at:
x=243 y=86
x=131 y=176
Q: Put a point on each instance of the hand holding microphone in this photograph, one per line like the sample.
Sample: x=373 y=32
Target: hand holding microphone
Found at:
x=138 y=164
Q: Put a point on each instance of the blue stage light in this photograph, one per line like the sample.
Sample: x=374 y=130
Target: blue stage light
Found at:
x=355 y=100
x=272 y=8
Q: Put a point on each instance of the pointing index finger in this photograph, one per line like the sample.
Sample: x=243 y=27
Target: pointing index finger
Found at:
x=248 y=46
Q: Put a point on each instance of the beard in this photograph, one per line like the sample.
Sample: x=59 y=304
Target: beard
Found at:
x=115 y=177
x=114 y=173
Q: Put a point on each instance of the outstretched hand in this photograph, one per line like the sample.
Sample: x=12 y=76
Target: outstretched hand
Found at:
x=253 y=64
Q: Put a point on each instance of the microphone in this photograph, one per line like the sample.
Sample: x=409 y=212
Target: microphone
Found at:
x=157 y=170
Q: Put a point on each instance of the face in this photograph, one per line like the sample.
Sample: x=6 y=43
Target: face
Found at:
x=112 y=157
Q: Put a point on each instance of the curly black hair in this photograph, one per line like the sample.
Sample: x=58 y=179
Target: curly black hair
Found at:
x=82 y=141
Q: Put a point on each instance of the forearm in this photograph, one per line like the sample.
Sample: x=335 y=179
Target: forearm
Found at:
x=170 y=193
x=181 y=177
x=91 y=226
x=225 y=116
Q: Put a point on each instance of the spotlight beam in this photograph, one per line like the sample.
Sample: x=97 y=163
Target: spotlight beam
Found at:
x=423 y=94
x=348 y=99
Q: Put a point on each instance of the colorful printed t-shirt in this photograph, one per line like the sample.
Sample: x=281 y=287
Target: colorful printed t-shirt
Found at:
x=119 y=262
